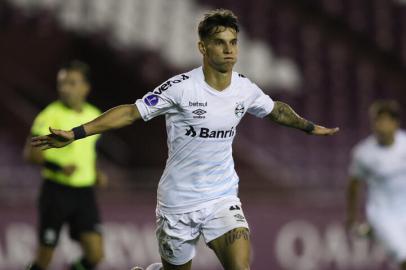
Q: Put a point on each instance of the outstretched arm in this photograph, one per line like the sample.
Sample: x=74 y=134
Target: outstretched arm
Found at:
x=114 y=118
x=283 y=114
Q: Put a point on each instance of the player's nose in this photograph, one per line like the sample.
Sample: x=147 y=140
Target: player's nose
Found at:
x=228 y=49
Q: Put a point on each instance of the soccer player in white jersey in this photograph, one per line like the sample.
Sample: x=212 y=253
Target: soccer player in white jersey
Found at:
x=197 y=193
x=380 y=162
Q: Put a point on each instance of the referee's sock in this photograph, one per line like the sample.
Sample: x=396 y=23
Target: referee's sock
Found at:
x=33 y=266
x=83 y=264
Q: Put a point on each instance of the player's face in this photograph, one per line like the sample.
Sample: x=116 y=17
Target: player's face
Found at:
x=72 y=87
x=384 y=127
x=221 y=49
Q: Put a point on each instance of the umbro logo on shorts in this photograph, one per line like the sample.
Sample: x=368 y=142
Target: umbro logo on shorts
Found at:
x=239 y=217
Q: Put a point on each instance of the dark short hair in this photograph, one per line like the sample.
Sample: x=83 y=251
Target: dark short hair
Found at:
x=388 y=107
x=79 y=66
x=215 y=19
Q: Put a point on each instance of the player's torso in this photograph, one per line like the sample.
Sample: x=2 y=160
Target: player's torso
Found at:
x=386 y=163
x=209 y=115
x=200 y=131
x=386 y=168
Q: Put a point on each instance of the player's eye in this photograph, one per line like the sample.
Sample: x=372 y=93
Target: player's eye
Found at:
x=218 y=42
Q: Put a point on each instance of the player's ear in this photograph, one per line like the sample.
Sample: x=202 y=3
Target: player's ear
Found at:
x=87 y=89
x=202 y=47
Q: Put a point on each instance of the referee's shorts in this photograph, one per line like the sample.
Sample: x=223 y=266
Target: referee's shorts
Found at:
x=59 y=205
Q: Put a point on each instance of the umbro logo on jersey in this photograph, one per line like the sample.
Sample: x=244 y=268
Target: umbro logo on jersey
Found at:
x=169 y=83
x=199 y=113
x=234 y=207
x=207 y=133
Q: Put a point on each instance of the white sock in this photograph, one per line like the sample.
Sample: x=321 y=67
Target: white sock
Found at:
x=155 y=266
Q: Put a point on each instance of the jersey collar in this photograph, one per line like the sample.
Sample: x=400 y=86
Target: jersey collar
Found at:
x=207 y=87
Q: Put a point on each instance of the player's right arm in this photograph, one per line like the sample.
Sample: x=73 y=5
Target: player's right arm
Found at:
x=352 y=201
x=353 y=223
x=114 y=118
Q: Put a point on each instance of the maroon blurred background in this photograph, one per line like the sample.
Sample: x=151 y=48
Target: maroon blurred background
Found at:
x=328 y=59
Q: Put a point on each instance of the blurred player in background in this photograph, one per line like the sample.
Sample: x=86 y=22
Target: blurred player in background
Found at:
x=380 y=162
x=198 y=191
x=67 y=194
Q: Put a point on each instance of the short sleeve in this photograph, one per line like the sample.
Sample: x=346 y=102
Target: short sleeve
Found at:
x=162 y=100
x=41 y=124
x=262 y=104
x=357 y=168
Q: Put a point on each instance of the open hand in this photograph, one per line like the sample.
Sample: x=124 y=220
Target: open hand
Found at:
x=57 y=139
x=68 y=169
x=323 y=131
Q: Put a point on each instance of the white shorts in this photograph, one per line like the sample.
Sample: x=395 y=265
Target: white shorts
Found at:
x=178 y=234
x=390 y=231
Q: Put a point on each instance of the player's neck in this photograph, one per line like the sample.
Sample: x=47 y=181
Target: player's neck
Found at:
x=217 y=80
x=386 y=142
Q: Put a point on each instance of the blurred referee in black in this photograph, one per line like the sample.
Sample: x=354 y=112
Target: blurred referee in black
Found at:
x=70 y=174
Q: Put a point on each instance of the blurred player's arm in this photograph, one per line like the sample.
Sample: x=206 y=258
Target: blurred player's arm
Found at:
x=353 y=223
x=114 y=118
x=283 y=114
x=353 y=190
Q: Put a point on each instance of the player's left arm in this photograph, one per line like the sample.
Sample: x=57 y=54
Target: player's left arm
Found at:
x=283 y=114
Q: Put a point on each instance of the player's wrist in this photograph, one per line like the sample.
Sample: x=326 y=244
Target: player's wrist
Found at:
x=52 y=166
x=79 y=132
x=309 y=127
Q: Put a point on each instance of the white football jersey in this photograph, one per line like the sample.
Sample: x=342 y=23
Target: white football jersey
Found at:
x=384 y=170
x=201 y=124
